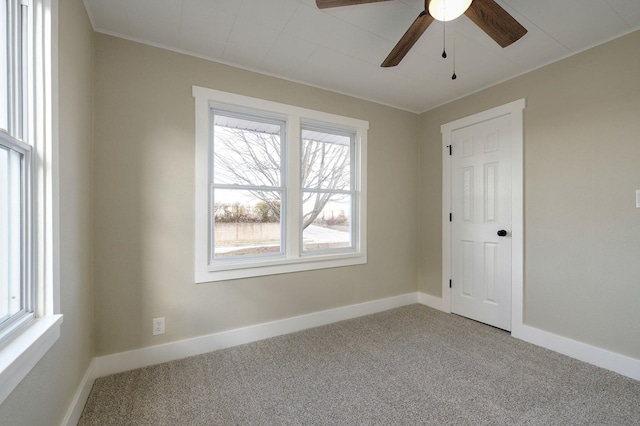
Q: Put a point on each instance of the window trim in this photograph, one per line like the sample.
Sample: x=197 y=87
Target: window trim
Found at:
x=205 y=100
x=27 y=346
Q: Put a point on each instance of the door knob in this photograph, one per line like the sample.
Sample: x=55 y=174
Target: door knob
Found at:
x=502 y=233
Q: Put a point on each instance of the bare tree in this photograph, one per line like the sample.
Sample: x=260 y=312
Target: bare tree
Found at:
x=253 y=158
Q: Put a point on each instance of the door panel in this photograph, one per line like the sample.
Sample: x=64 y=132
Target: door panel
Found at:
x=481 y=206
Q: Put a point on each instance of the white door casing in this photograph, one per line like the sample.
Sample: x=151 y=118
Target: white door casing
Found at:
x=482 y=194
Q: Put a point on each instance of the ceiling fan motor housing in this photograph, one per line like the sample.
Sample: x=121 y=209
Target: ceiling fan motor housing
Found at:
x=447 y=10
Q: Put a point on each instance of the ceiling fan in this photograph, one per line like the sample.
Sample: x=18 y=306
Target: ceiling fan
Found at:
x=487 y=14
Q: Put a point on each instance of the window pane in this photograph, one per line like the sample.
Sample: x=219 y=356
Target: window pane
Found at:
x=246 y=223
x=246 y=151
x=326 y=160
x=11 y=229
x=326 y=221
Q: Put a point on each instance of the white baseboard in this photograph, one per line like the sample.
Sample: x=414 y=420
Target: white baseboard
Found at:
x=599 y=357
x=124 y=361
x=80 y=398
x=432 y=302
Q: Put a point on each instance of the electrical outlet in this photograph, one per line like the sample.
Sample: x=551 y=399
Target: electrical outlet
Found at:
x=638 y=198
x=158 y=326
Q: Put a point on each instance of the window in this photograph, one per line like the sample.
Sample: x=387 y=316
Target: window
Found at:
x=248 y=186
x=328 y=189
x=16 y=285
x=29 y=324
x=278 y=188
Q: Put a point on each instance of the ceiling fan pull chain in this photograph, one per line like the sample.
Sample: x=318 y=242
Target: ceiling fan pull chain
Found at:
x=454 y=76
x=444 y=38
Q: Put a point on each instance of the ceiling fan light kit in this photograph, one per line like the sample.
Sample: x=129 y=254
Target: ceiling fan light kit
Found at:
x=496 y=22
x=447 y=10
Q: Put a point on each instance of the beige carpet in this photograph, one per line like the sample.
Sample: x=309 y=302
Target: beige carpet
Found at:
x=407 y=366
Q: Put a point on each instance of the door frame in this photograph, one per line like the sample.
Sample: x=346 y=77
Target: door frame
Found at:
x=515 y=111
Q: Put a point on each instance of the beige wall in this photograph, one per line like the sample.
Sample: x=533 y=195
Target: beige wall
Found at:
x=144 y=203
x=582 y=230
x=46 y=393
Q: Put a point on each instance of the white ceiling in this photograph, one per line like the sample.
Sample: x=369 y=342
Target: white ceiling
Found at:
x=341 y=49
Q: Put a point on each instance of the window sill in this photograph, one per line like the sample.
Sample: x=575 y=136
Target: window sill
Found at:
x=22 y=353
x=285 y=266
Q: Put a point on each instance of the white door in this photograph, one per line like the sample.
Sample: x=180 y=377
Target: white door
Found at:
x=481 y=222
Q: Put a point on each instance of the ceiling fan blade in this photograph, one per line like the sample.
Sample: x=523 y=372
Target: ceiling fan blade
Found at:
x=409 y=38
x=325 y=4
x=495 y=21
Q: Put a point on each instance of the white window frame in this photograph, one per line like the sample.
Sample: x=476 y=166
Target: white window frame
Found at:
x=28 y=344
x=294 y=259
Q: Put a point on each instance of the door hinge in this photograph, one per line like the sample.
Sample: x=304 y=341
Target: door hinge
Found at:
x=450 y=217
x=450 y=149
x=450 y=283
